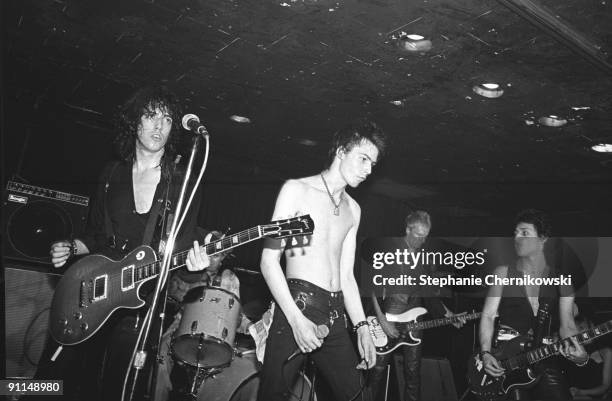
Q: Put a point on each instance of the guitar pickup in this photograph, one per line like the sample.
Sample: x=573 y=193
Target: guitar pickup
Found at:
x=127 y=278
x=100 y=287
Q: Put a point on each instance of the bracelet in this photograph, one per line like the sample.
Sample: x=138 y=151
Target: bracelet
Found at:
x=583 y=363
x=482 y=353
x=360 y=324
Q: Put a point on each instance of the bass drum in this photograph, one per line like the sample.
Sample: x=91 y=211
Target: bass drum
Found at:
x=240 y=382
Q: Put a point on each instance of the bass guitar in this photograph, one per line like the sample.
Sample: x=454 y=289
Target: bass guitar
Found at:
x=96 y=286
x=407 y=323
x=519 y=363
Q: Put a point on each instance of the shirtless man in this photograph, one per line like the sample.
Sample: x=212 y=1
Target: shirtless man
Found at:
x=319 y=285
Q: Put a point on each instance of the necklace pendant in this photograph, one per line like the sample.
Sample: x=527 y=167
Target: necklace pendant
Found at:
x=337 y=211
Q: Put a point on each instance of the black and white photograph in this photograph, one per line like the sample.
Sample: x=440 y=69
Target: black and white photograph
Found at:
x=306 y=200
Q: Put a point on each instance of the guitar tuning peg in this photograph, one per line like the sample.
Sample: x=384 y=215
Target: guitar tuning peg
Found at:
x=293 y=241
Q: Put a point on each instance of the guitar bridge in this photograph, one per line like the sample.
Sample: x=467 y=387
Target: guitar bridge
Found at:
x=83 y=295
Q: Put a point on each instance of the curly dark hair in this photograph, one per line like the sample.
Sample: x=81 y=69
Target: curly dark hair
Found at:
x=539 y=219
x=418 y=216
x=354 y=134
x=143 y=102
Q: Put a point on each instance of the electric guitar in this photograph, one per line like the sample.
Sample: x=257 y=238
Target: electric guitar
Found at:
x=96 y=286
x=408 y=321
x=518 y=363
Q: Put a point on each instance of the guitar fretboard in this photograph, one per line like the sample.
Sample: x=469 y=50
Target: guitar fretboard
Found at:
x=429 y=324
x=179 y=259
x=525 y=359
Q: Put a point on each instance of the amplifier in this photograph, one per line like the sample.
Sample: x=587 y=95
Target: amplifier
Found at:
x=35 y=217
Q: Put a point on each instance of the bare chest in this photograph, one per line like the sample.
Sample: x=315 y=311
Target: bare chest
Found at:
x=144 y=185
x=330 y=228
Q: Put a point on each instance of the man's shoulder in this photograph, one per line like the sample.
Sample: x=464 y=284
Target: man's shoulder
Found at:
x=299 y=184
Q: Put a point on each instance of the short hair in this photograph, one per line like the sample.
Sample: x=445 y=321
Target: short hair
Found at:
x=353 y=134
x=146 y=101
x=539 y=219
x=418 y=216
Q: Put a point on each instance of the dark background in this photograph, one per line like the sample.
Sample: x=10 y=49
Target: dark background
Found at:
x=301 y=71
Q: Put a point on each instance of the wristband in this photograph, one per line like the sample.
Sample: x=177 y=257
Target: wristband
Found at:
x=583 y=363
x=482 y=353
x=73 y=248
x=360 y=324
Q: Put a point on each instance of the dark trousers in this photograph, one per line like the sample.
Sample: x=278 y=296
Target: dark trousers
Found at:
x=95 y=369
x=335 y=360
x=552 y=384
x=412 y=372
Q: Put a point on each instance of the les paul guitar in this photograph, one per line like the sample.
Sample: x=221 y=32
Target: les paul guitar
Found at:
x=407 y=321
x=96 y=286
x=518 y=363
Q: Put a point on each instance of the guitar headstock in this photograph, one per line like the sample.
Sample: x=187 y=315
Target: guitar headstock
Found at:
x=300 y=225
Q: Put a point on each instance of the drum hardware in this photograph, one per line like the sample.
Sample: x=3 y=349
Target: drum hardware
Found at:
x=206 y=333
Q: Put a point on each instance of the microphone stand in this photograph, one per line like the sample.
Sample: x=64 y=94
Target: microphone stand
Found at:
x=139 y=357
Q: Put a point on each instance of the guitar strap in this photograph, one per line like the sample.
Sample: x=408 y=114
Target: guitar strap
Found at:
x=159 y=209
x=542 y=320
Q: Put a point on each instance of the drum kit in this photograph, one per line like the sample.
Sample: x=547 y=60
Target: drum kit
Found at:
x=211 y=361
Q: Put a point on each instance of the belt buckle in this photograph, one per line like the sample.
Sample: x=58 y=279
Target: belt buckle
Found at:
x=333 y=315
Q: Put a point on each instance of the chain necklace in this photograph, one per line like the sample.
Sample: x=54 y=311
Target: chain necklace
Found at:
x=336 y=205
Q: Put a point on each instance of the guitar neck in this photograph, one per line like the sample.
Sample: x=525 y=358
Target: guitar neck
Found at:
x=430 y=324
x=179 y=259
x=546 y=351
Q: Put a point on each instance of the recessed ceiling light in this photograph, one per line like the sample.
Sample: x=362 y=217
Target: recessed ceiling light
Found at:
x=552 y=121
x=489 y=89
x=240 y=119
x=415 y=43
x=307 y=142
x=603 y=148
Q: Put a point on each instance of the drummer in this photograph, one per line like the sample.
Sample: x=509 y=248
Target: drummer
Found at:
x=180 y=283
x=183 y=280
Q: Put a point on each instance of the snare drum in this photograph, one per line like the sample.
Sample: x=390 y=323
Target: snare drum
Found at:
x=205 y=336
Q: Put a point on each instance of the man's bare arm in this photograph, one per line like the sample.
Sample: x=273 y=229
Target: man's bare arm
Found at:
x=567 y=324
x=303 y=329
x=487 y=324
x=350 y=291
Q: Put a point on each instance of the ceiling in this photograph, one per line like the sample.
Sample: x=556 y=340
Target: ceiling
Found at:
x=300 y=69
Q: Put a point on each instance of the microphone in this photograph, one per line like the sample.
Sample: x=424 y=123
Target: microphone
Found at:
x=191 y=122
x=321 y=332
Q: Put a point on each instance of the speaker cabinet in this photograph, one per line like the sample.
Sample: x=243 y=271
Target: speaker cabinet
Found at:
x=28 y=295
x=34 y=217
